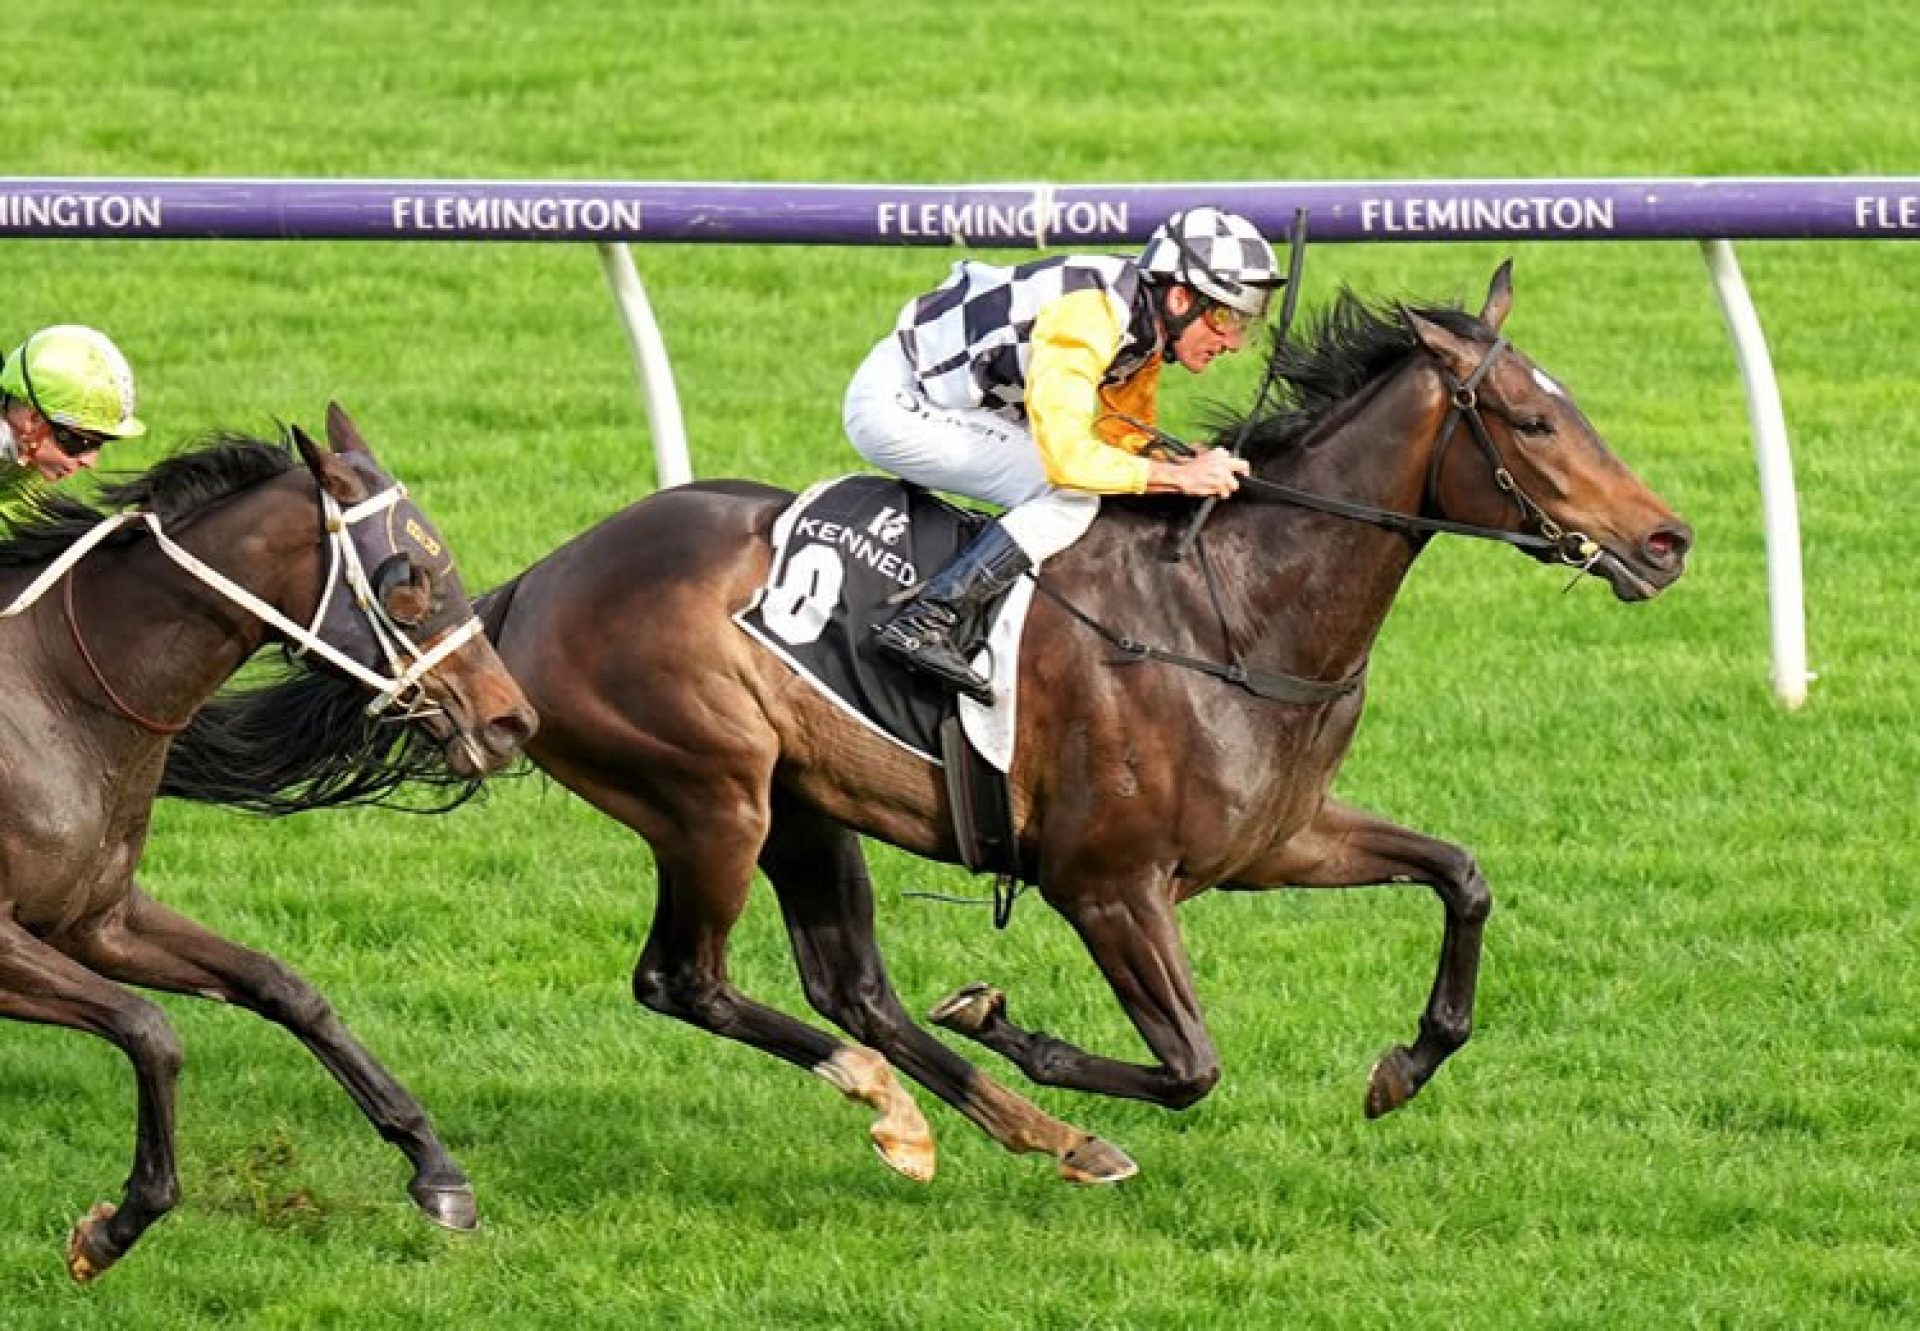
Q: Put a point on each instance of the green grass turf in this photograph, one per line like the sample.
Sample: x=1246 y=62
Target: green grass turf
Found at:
x=1691 y=1097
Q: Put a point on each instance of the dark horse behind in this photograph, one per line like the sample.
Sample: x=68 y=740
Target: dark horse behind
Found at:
x=1206 y=761
x=112 y=636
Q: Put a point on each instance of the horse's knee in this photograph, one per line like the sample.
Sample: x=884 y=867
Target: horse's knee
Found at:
x=288 y=999
x=1188 y=1089
x=150 y=1041
x=1465 y=890
x=1476 y=899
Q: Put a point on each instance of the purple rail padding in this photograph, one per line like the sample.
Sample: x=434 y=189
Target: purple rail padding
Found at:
x=1005 y=215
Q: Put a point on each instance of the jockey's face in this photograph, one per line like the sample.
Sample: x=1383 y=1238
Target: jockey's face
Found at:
x=40 y=447
x=1215 y=333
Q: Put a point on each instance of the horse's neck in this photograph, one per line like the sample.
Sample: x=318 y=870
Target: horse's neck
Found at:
x=1333 y=579
x=1300 y=591
x=164 y=640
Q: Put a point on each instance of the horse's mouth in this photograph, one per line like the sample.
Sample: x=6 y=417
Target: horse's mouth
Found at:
x=464 y=757
x=470 y=755
x=473 y=748
x=1634 y=579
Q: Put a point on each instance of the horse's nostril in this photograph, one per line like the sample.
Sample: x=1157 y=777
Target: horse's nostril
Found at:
x=508 y=733
x=1669 y=544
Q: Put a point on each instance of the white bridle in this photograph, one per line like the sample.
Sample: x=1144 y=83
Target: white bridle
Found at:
x=405 y=659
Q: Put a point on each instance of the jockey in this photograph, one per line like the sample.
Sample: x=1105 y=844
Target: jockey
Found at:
x=1013 y=385
x=64 y=393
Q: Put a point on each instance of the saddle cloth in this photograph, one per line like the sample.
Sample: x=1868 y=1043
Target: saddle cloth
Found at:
x=842 y=552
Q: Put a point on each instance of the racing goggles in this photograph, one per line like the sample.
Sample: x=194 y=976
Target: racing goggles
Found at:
x=1225 y=320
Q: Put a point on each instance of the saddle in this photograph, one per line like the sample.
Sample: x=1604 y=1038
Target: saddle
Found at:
x=846 y=553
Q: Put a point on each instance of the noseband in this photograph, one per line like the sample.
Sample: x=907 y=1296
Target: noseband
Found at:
x=408 y=663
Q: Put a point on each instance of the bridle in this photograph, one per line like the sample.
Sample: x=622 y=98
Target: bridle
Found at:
x=1547 y=537
x=407 y=662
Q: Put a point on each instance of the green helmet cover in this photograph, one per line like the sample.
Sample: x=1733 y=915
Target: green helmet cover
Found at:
x=76 y=376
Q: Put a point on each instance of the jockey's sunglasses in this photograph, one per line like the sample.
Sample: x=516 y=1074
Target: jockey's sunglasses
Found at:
x=75 y=443
x=1224 y=319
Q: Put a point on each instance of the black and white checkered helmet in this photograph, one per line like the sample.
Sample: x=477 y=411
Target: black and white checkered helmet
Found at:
x=1219 y=254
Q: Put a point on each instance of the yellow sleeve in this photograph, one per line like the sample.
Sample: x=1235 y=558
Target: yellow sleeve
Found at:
x=1074 y=341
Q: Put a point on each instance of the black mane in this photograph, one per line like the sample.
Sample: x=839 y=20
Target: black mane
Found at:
x=218 y=466
x=1342 y=350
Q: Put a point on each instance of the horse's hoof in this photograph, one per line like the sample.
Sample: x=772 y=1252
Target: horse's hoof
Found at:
x=1391 y=1084
x=1094 y=1161
x=450 y=1207
x=968 y=1009
x=87 y=1256
x=909 y=1157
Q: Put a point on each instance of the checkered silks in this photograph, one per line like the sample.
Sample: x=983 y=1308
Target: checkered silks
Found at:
x=970 y=340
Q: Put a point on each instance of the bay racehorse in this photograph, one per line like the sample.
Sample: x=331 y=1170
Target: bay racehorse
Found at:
x=117 y=628
x=1180 y=724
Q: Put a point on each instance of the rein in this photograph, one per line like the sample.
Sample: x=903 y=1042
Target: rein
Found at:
x=405 y=658
x=1272 y=685
x=1574 y=548
x=93 y=668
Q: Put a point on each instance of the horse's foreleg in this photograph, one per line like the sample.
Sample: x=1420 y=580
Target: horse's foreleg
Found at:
x=826 y=896
x=38 y=984
x=1132 y=935
x=1347 y=847
x=149 y=945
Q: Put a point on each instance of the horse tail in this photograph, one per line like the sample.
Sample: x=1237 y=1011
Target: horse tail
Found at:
x=305 y=742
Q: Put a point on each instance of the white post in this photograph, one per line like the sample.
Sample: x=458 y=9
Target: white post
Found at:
x=1779 y=504
x=672 y=463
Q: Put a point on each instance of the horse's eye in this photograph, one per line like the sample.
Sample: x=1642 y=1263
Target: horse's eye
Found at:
x=405 y=589
x=1534 y=425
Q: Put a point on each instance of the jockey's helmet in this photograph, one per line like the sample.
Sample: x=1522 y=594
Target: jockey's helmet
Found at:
x=76 y=378
x=1219 y=254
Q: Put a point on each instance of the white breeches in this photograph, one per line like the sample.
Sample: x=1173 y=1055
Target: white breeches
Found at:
x=965 y=451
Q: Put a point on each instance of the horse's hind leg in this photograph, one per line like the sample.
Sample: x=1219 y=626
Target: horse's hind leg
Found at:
x=149 y=945
x=682 y=971
x=816 y=866
x=1348 y=847
x=38 y=984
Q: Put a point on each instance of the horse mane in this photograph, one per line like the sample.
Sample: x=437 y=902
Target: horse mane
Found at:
x=302 y=740
x=218 y=465
x=1343 y=349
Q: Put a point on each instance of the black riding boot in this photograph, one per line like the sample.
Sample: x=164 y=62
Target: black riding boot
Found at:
x=923 y=637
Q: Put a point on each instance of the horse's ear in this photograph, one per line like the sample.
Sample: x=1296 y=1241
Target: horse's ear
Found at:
x=1453 y=351
x=335 y=479
x=342 y=433
x=1499 y=297
x=309 y=451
